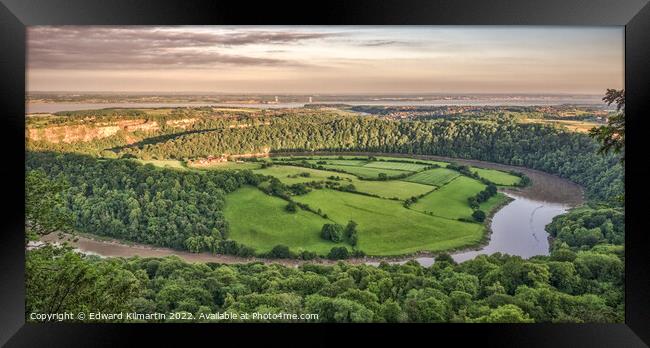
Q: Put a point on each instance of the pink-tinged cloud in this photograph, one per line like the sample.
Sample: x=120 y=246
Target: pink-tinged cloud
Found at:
x=325 y=59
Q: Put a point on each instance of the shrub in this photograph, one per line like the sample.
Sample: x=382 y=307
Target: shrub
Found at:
x=280 y=252
x=350 y=228
x=307 y=255
x=245 y=251
x=338 y=253
x=353 y=239
x=333 y=232
x=444 y=257
x=479 y=215
x=292 y=207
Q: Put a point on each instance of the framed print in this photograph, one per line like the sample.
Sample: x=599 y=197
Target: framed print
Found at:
x=444 y=170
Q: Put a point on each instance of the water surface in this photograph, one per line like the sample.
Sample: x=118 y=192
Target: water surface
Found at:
x=39 y=107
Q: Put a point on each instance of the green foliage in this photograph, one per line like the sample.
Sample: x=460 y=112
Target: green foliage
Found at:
x=338 y=253
x=508 y=313
x=125 y=200
x=351 y=233
x=612 y=136
x=495 y=288
x=281 y=252
x=59 y=280
x=307 y=255
x=478 y=215
x=291 y=207
x=587 y=227
x=498 y=139
x=45 y=205
x=333 y=232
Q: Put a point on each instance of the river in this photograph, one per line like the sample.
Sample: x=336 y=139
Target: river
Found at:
x=517 y=229
x=50 y=107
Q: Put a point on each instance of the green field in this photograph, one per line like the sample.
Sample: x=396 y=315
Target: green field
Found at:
x=365 y=172
x=172 y=164
x=402 y=159
x=340 y=162
x=409 y=167
x=496 y=176
x=386 y=189
x=315 y=158
x=387 y=228
x=260 y=221
x=435 y=177
x=283 y=172
x=450 y=201
x=489 y=205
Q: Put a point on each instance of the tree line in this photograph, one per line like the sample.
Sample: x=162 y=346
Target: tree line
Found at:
x=141 y=203
x=551 y=149
x=575 y=283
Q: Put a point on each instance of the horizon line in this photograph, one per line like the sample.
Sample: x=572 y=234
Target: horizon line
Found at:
x=321 y=93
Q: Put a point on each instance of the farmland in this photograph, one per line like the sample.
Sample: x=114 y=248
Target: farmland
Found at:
x=441 y=219
x=260 y=221
x=399 y=189
x=436 y=177
x=450 y=201
x=497 y=177
x=364 y=172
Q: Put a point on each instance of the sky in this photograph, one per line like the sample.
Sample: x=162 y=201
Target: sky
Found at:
x=327 y=59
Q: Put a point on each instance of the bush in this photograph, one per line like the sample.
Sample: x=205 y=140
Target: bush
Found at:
x=292 y=207
x=350 y=228
x=228 y=247
x=333 y=232
x=280 y=252
x=479 y=215
x=338 y=253
x=353 y=239
x=245 y=251
x=299 y=189
x=444 y=257
x=307 y=255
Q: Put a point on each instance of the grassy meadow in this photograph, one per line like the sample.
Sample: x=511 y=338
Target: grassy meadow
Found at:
x=496 y=176
x=364 y=172
x=260 y=221
x=386 y=227
x=435 y=177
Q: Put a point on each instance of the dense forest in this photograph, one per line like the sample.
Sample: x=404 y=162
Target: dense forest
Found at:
x=141 y=203
x=576 y=283
x=421 y=112
x=554 y=150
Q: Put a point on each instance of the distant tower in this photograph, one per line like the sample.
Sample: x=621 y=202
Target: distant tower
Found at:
x=309 y=100
x=276 y=98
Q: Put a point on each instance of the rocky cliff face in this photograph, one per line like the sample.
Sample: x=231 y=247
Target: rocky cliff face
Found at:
x=82 y=133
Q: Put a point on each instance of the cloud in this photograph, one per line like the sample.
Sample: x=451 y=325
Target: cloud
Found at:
x=72 y=47
x=374 y=43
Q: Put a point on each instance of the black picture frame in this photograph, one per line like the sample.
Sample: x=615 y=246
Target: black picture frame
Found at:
x=16 y=14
